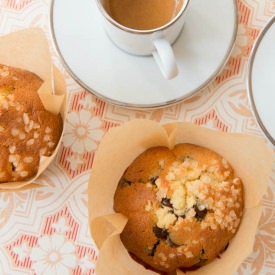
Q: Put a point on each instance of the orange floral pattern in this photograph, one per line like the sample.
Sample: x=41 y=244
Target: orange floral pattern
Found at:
x=53 y=219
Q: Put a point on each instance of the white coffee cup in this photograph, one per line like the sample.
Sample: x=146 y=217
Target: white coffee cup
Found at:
x=156 y=42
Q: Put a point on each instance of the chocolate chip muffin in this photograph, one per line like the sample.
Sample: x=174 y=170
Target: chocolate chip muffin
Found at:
x=27 y=130
x=183 y=207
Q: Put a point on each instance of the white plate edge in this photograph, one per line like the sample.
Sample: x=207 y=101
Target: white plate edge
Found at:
x=251 y=59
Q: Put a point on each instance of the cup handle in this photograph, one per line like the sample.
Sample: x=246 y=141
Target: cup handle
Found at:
x=165 y=58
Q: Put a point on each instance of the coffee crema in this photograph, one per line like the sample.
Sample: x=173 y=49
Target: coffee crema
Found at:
x=142 y=14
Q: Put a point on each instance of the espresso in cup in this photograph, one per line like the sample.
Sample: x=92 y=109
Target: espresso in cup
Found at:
x=146 y=27
x=142 y=14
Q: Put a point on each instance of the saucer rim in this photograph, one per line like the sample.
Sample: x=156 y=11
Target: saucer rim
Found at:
x=139 y=106
x=251 y=60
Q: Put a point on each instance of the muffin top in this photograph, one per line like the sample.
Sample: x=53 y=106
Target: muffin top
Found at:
x=183 y=207
x=27 y=130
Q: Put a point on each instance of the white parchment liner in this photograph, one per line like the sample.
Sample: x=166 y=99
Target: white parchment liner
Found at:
x=249 y=155
x=28 y=49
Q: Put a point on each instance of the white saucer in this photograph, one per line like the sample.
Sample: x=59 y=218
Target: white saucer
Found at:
x=261 y=79
x=133 y=81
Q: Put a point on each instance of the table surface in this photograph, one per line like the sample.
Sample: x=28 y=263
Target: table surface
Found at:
x=45 y=230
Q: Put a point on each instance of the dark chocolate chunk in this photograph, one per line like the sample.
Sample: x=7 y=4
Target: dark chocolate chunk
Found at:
x=180 y=216
x=153 y=251
x=153 y=179
x=200 y=214
x=124 y=182
x=160 y=233
x=166 y=202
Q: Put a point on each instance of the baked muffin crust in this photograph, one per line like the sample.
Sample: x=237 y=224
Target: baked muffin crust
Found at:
x=27 y=130
x=183 y=207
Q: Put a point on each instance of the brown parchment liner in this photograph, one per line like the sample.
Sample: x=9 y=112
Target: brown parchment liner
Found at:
x=250 y=157
x=28 y=49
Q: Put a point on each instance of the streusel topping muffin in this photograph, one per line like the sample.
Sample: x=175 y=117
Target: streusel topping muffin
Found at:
x=183 y=207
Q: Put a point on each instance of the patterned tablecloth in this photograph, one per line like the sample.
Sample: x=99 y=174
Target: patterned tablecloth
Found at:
x=45 y=231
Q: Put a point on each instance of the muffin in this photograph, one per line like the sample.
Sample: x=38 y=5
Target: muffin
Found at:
x=27 y=130
x=183 y=207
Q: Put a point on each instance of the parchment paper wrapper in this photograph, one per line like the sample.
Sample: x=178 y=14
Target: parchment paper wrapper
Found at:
x=28 y=49
x=249 y=156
